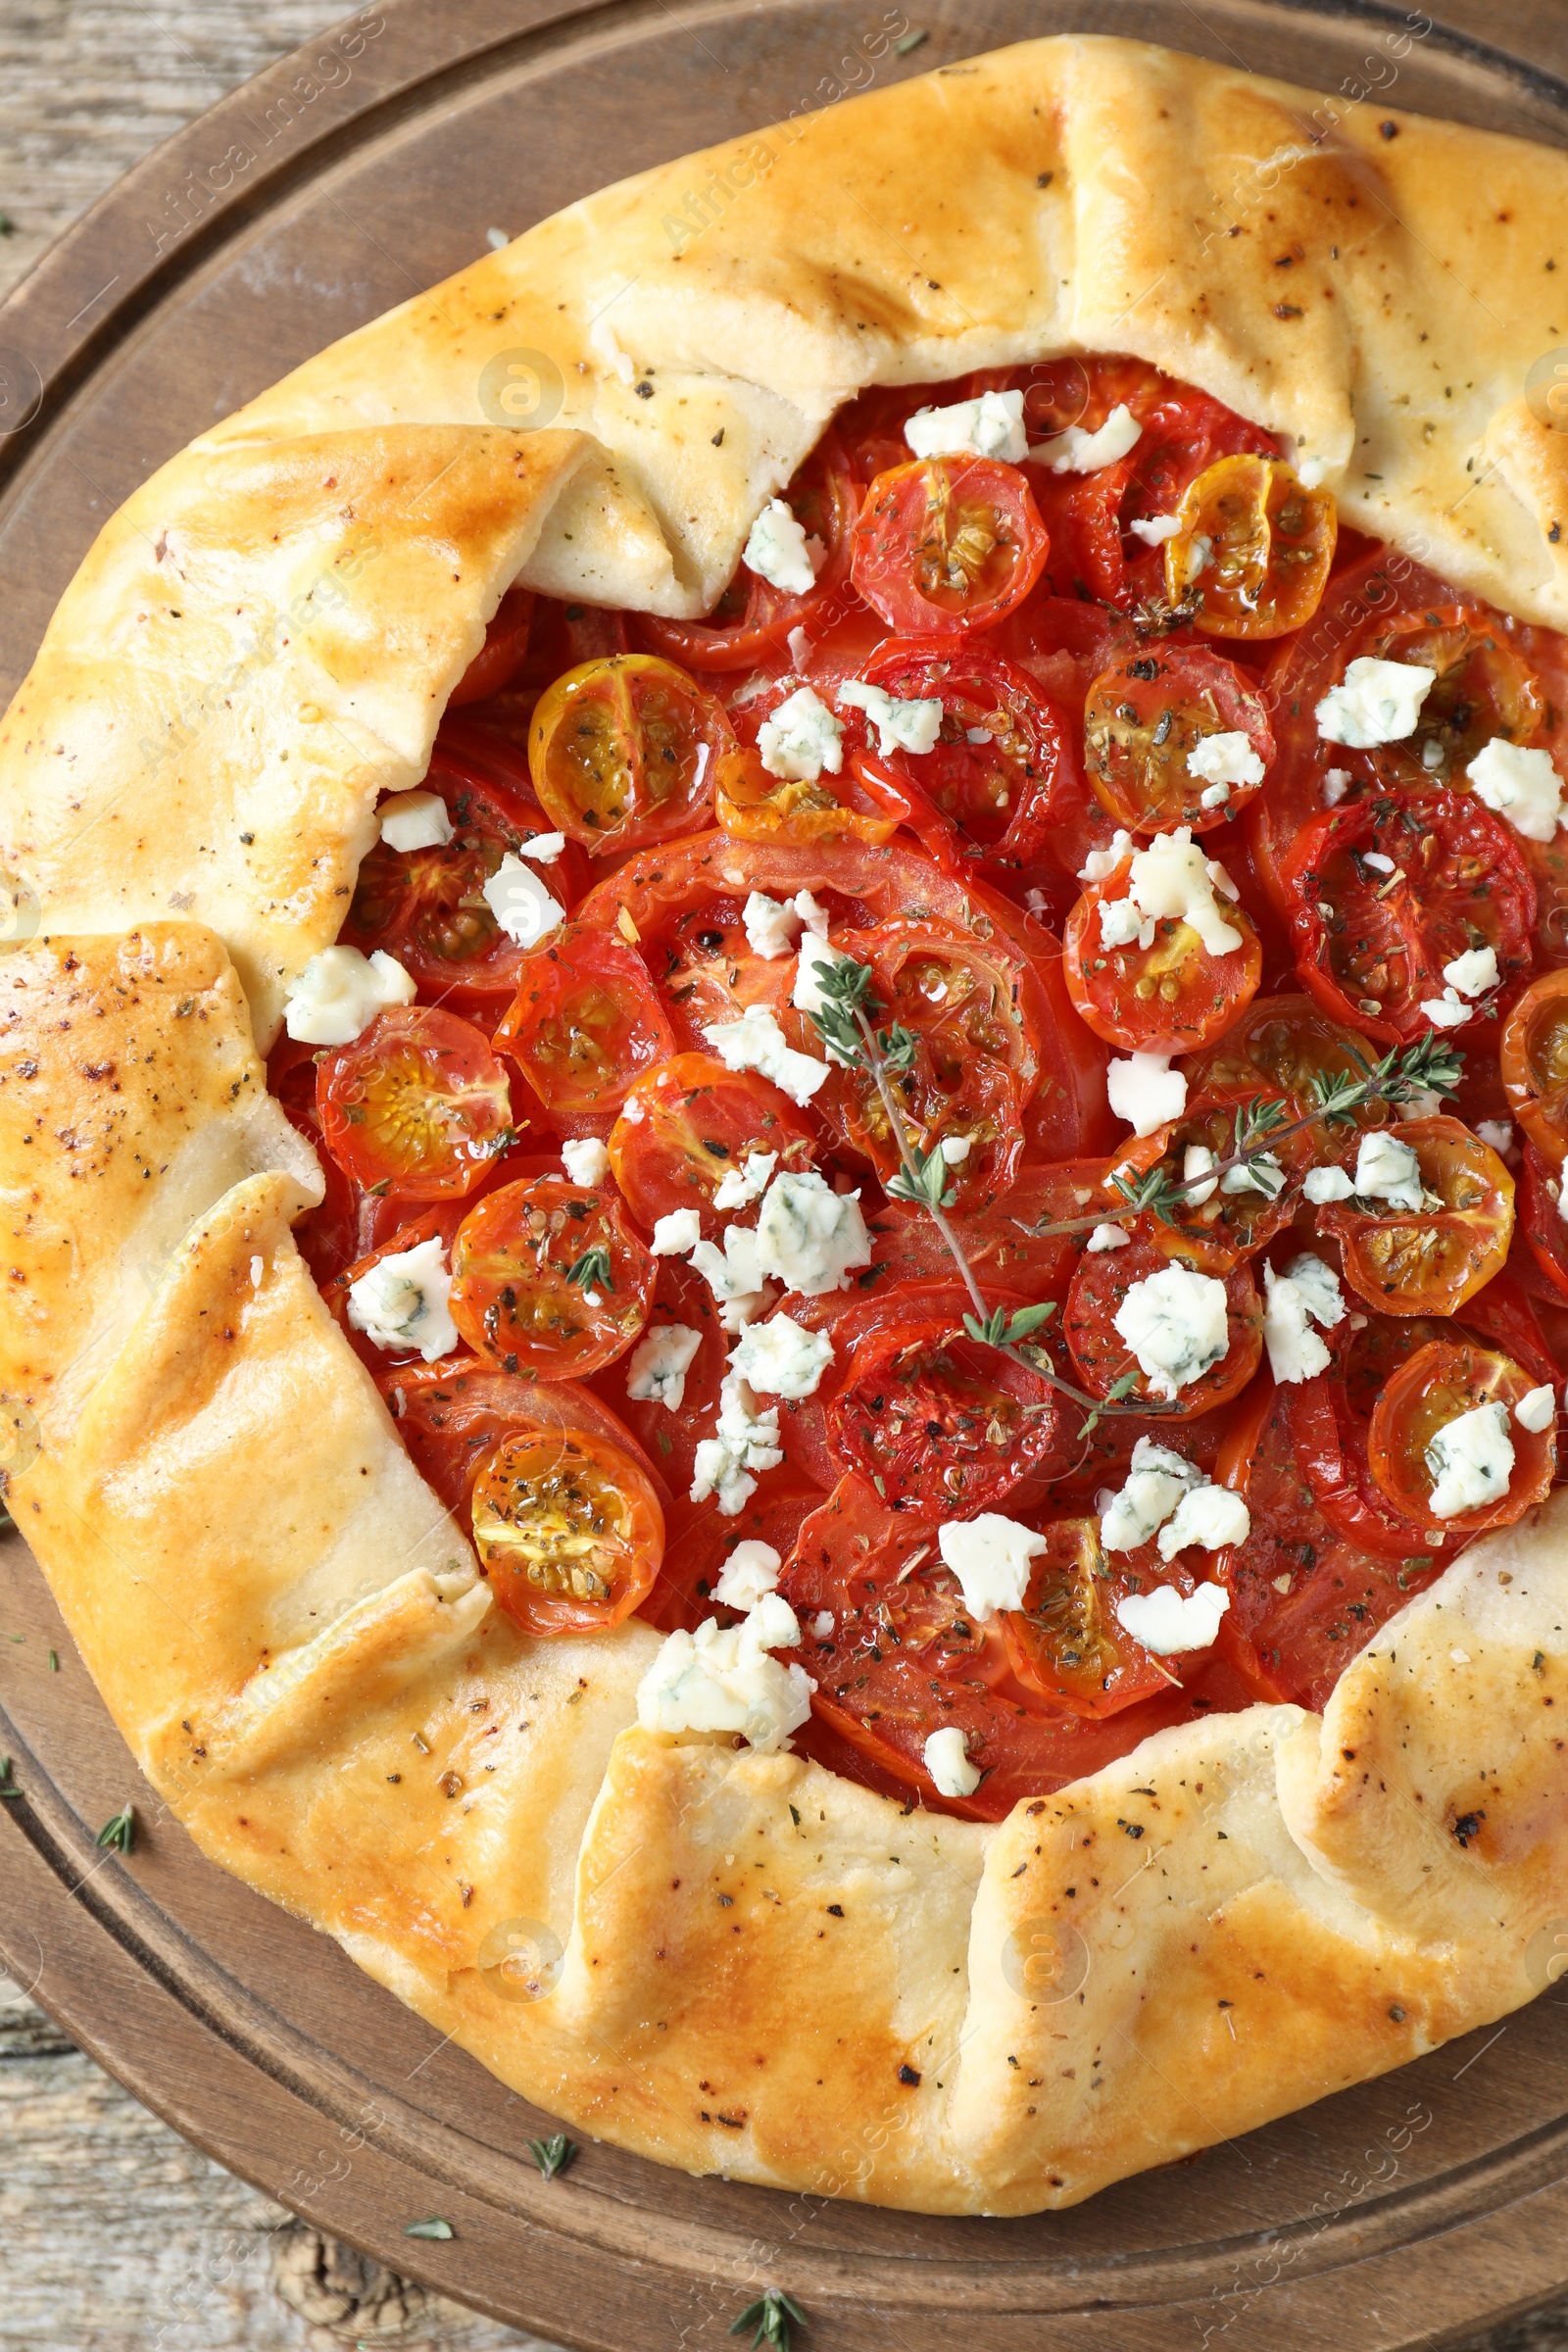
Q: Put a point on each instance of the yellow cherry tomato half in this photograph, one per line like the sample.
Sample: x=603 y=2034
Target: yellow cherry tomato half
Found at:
x=1255 y=545
x=622 y=751
x=569 y=1529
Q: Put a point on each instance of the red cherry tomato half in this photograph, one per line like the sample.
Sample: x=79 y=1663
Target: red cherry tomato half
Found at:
x=1328 y=1418
x=1144 y=719
x=1215 y=1232
x=622 y=752
x=435 y=1224
x=947 y=544
x=928 y=1416
x=586 y=1021
x=452 y=1415
x=1485 y=686
x=689 y=1125
x=417 y=1104
x=1099 y=1290
x=1388 y=891
x=1433 y=1387
x=550 y=1279
x=1067 y=1641
x=1167 y=998
x=1533 y=1059
x=1430 y=1262
x=506 y=642
x=1545 y=1231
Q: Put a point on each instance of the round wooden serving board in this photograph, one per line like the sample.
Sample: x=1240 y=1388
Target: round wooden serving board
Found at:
x=354 y=174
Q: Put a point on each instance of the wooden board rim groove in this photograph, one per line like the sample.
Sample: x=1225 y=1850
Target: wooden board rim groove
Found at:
x=473 y=36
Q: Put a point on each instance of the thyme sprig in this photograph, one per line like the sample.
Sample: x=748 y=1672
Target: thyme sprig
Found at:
x=591 y=1271
x=771 y=2314
x=553 y=2155
x=119 y=1830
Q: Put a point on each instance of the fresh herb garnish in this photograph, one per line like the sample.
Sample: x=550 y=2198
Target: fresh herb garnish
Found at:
x=120 y=1830
x=771 y=2314
x=553 y=2156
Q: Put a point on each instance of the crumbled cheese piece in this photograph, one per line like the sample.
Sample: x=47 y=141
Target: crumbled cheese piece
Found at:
x=1497 y=1134
x=1078 y=452
x=1327 y=1184
x=660 y=1362
x=1100 y=864
x=1225 y=758
x=1378 y=701
x=1520 y=785
x=1537 y=1410
x=1200 y=553
x=945 y=1759
x=1261 y=1173
x=990 y=1555
x=901 y=726
x=520 y=902
x=1169 y=1622
x=1319 y=1285
x=755 y=1042
x=1310 y=471
x=956 y=1148
x=402 y=1302
x=740 y=1187
x=1108 y=1237
x=722 y=1678
x=1447 y=1011
x=744 y=1440
x=1156 y=1479
x=1387 y=1170
x=543 y=848
x=1154 y=529
x=414 y=820
x=809 y=1237
x=733 y=1272
x=339 y=994
x=1377 y=863
x=779 y=551
x=1207 y=1517
x=1471 y=1459
x=1173 y=877
x=800 y=739
x=1196 y=1160
x=822 y=1624
x=749 y=1575
x=677 y=1233
x=772 y=924
x=1214 y=795
x=1336 y=784
x=1307 y=1293
x=781 y=1359
x=1122 y=925
x=1474 y=974
x=816 y=958
x=1146 y=1092
x=991 y=427
x=1175 y=1323
x=586 y=1160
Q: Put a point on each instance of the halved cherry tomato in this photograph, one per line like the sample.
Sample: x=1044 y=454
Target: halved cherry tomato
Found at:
x=1485 y=686
x=1067 y=1641
x=691 y=1124
x=505 y=642
x=1168 y=996
x=622 y=752
x=1430 y=1262
x=427 y=907
x=1432 y=1388
x=1103 y=1357
x=1545 y=1231
x=754 y=805
x=1372 y=937
x=947 y=544
x=416 y=1104
x=753 y=619
x=1147 y=716
x=931 y=1417
x=435 y=1224
x=453 y=1415
x=1533 y=1059
x=586 y=1021
x=550 y=1279
x=1255 y=546
x=1329 y=1417
x=1289 y=1043
x=1003 y=747
x=1217 y=1232
x=567 y=1529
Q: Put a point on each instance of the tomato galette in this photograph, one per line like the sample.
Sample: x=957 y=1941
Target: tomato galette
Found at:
x=860 y=1420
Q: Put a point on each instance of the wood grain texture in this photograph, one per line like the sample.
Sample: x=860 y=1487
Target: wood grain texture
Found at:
x=73 y=93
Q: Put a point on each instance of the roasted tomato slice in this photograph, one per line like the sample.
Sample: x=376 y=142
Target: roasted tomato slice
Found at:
x=753 y=619
x=1429 y=1261
x=1545 y=1230
x=947 y=544
x=1148 y=718
x=1003 y=749
x=1290 y=1043
x=1216 y=1227
x=1415 y=1466
x=451 y=1417
x=417 y=1105
x=1485 y=686
x=567 y=1529
x=671 y=1420
x=1386 y=892
x=931 y=1417
x=1534 y=1060
x=698 y=1541
x=1104 y=1357
x=506 y=644
x=427 y=907
x=1067 y=1641
x=550 y=1279
x=1304 y=1599
x=622 y=752
x=1255 y=547
x=1167 y=996
x=691 y=1127
x=1328 y=1418
x=586 y=1021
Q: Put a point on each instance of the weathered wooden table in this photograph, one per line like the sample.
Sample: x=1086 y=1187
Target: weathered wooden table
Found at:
x=113 y=2232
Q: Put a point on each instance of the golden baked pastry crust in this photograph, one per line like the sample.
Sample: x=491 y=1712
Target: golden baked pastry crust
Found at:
x=1247 y=1913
